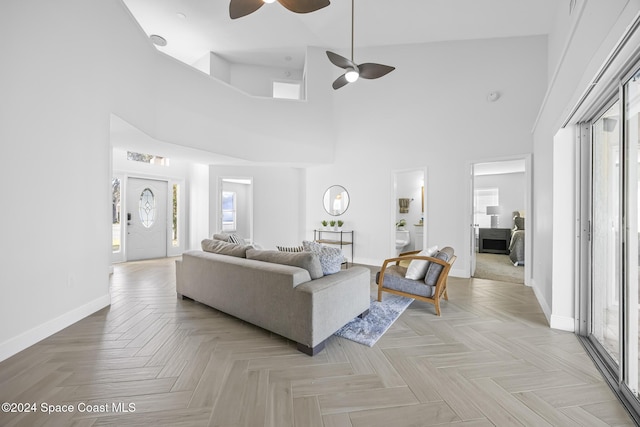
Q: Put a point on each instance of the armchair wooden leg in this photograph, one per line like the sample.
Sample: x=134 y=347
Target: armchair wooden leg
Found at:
x=379 y=294
x=445 y=295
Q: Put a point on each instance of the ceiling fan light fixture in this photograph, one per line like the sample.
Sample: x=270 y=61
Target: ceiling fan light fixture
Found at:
x=351 y=75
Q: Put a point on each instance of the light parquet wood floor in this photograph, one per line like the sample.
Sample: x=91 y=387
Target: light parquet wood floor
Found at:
x=491 y=359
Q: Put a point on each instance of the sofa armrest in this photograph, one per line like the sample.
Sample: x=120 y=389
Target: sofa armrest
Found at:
x=325 y=305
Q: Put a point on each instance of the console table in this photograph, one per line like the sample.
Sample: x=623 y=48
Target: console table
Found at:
x=333 y=237
x=494 y=240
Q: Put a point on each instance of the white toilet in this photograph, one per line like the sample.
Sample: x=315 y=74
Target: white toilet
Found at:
x=403 y=238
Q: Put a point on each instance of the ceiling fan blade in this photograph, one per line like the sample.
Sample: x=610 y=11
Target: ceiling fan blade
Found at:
x=340 y=61
x=374 y=71
x=304 y=6
x=240 y=8
x=340 y=81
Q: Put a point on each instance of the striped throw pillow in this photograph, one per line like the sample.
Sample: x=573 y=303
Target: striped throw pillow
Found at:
x=290 y=248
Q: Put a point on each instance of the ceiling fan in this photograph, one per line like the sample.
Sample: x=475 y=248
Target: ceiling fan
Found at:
x=240 y=8
x=353 y=71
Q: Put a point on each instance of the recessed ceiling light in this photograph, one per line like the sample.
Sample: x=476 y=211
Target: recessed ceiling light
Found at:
x=181 y=15
x=158 y=40
x=288 y=58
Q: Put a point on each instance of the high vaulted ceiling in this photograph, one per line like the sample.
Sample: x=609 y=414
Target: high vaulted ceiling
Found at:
x=274 y=36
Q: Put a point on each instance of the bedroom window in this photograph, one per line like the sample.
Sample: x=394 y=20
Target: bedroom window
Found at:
x=229 y=211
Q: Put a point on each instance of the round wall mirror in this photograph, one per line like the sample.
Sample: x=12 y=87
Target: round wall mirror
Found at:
x=335 y=200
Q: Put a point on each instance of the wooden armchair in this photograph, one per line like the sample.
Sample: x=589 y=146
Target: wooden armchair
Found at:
x=431 y=288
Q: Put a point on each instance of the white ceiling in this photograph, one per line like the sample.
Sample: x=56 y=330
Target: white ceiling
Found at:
x=274 y=36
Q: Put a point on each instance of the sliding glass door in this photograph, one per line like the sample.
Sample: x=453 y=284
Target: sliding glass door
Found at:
x=614 y=241
x=631 y=98
x=605 y=238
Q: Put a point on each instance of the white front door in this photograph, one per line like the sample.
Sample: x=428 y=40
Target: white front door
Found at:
x=146 y=219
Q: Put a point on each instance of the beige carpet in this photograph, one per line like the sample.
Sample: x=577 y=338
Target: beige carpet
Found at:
x=497 y=267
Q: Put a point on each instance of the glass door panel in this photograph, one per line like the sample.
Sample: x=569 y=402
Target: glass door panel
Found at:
x=632 y=160
x=605 y=252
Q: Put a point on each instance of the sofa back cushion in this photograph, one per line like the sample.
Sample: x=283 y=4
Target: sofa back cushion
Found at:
x=307 y=260
x=224 y=248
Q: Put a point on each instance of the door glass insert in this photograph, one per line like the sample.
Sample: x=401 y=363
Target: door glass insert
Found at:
x=147 y=207
x=605 y=243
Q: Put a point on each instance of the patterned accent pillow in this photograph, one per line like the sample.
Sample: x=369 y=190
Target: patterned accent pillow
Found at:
x=234 y=238
x=290 y=248
x=331 y=259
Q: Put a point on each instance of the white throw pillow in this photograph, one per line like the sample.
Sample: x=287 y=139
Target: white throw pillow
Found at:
x=418 y=267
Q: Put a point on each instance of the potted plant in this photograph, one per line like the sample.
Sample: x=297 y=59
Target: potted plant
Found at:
x=324 y=224
x=400 y=224
x=332 y=223
x=340 y=224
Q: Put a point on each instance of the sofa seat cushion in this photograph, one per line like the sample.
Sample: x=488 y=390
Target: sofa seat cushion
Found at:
x=394 y=278
x=224 y=248
x=307 y=260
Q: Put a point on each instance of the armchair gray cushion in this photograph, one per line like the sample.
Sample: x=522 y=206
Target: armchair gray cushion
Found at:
x=433 y=273
x=394 y=278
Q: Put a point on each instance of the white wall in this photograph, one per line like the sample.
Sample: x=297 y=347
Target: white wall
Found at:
x=278 y=202
x=54 y=134
x=430 y=112
x=198 y=202
x=578 y=47
x=258 y=81
x=511 y=190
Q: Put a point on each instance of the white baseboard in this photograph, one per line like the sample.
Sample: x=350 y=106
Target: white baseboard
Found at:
x=459 y=272
x=543 y=303
x=563 y=323
x=27 y=339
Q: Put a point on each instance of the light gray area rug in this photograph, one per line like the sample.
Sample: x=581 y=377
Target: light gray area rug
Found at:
x=381 y=316
x=497 y=267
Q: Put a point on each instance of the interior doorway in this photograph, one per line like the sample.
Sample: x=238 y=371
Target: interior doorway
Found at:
x=409 y=211
x=235 y=213
x=500 y=200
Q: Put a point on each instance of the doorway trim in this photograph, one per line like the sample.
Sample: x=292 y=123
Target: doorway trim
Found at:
x=530 y=219
x=394 y=205
x=218 y=203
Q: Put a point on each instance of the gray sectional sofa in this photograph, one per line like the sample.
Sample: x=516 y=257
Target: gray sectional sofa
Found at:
x=262 y=289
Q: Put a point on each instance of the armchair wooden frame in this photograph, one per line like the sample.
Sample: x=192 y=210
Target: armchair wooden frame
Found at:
x=441 y=284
